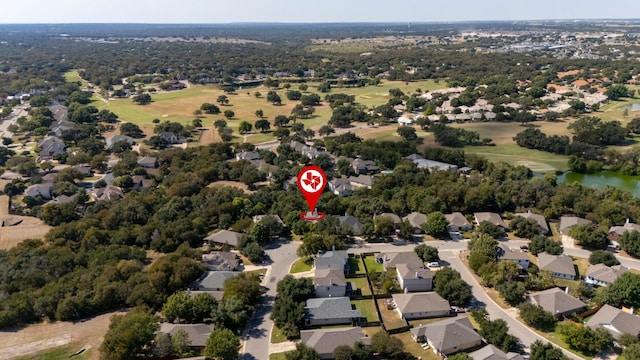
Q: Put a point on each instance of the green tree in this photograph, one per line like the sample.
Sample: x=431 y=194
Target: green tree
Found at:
x=586 y=340
x=436 y=224
x=244 y=127
x=222 y=344
x=407 y=133
x=537 y=317
x=210 y=108
x=131 y=130
x=448 y=284
x=259 y=113
x=382 y=342
x=222 y=99
x=274 y=98
x=181 y=344
x=161 y=345
x=326 y=130
x=630 y=242
x=142 y=99
x=512 y=292
x=590 y=237
x=490 y=229
x=615 y=92
x=622 y=292
x=302 y=352
x=540 y=243
x=202 y=306
x=524 y=228
x=545 y=351
x=262 y=125
x=128 y=335
x=343 y=352
x=631 y=352
x=229 y=114
x=427 y=253
x=603 y=257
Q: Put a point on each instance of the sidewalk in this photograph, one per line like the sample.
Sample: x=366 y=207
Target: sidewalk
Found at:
x=281 y=347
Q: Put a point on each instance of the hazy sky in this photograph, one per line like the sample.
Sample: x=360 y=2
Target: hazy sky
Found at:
x=225 y=11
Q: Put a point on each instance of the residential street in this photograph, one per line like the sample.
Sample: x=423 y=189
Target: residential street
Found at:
x=281 y=256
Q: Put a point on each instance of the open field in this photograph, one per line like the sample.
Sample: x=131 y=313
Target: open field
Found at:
x=60 y=353
x=234 y=184
x=536 y=160
x=28 y=228
x=46 y=336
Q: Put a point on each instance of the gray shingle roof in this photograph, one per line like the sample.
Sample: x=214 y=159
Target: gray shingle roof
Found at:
x=616 y=321
x=556 y=301
x=566 y=222
x=329 y=277
x=409 y=273
x=416 y=219
x=330 y=308
x=420 y=302
x=457 y=219
x=391 y=260
x=491 y=352
x=490 y=217
x=602 y=272
x=198 y=333
x=542 y=222
x=332 y=260
x=448 y=334
x=225 y=237
x=561 y=264
x=324 y=341
x=214 y=280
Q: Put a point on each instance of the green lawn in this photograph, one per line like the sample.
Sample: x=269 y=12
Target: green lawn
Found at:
x=302 y=265
x=538 y=161
x=415 y=348
x=355 y=264
x=58 y=353
x=277 y=356
x=367 y=309
x=362 y=284
x=372 y=265
x=74 y=76
x=277 y=336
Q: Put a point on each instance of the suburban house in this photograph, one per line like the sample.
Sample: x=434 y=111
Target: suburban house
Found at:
x=107 y=193
x=421 y=305
x=148 y=162
x=416 y=220
x=392 y=260
x=616 y=231
x=560 y=266
x=431 y=165
x=539 y=219
x=44 y=190
x=364 y=166
x=332 y=260
x=567 y=222
x=324 y=341
x=361 y=181
x=457 y=222
x=225 y=237
x=213 y=280
x=248 y=155
x=493 y=218
x=198 y=333
x=221 y=261
x=258 y=218
x=519 y=257
x=140 y=182
x=172 y=138
x=557 y=302
x=603 y=275
x=351 y=223
x=393 y=217
x=50 y=147
x=615 y=321
x=117 y=138
x=448 y=336
x=490 y=352
x=309 y=151
x=340 y=186
x=413 y=278
x=329 y=282
x=330 y=311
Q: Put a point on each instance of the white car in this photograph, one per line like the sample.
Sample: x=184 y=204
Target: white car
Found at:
x=434 y=264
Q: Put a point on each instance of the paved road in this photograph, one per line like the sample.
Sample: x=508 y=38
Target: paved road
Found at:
x=18 y=111
x=281 y=256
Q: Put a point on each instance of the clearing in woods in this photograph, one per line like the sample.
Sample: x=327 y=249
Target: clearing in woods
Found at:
x=27 y=227
x=44 y=336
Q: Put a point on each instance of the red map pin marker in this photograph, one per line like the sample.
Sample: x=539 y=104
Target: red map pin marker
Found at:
x=311 y=182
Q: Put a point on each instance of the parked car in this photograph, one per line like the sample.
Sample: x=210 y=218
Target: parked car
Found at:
x=434 y=264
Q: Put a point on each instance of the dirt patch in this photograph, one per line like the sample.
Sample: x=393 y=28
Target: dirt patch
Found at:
x=27 y=227
x=45 y=336
x=234 y=184
x=209 y=136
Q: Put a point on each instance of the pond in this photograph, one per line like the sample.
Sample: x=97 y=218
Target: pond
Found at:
x=602 y=179
x=632 y=107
